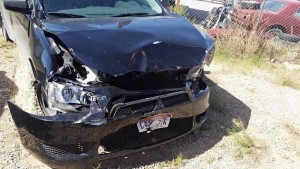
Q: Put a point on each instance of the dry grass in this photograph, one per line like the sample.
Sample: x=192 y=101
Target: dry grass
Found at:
x=178 y=161
x=291 y=129
x=284 y=77
x=239 y=51
x=175 y=163
x=289 y=82
x=7 y=49
x=245 y=144
x=238 y=46
x=210 y=160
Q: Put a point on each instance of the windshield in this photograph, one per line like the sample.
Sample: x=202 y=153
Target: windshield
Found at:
x=95 y=8
x=273 y=6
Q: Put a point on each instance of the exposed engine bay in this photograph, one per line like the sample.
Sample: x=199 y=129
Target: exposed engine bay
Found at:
x=76 y=88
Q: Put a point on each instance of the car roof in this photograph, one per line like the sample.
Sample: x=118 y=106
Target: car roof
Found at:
x=289 y=1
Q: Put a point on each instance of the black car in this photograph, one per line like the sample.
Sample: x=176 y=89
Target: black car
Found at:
x=112 y=77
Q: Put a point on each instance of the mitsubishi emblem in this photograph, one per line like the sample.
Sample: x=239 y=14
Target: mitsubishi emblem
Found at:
x=159 y=105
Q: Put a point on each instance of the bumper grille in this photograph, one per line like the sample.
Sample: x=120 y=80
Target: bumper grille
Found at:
x=175 y=100
x=149 y=104
x=64 y=150
x=54 y=152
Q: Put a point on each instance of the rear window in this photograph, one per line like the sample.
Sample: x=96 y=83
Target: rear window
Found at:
x=274 y=6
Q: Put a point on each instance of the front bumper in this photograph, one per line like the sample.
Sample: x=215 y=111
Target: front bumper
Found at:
x=60 y=143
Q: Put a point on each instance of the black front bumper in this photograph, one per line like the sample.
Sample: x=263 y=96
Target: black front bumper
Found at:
x=61 y=143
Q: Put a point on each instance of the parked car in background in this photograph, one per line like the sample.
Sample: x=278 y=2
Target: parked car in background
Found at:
x=278 y=16
x=112 y=77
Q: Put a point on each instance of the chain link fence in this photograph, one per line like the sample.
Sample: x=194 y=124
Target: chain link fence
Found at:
x=254 y=30
x=274 y=18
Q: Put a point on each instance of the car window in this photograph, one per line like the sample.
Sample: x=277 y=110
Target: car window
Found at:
x=297 y=14
x=274 y=6
x=249 y=5
x=96 y=8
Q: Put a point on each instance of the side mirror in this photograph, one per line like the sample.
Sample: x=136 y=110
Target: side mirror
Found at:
x=166 y=3
x=20 y=6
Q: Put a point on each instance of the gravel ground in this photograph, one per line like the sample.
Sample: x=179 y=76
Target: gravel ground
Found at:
x=269 y=113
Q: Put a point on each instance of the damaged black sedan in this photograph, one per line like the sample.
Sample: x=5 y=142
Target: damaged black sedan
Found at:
x=111 y=77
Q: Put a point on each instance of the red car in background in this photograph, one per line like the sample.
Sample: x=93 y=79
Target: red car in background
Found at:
x=278 y=16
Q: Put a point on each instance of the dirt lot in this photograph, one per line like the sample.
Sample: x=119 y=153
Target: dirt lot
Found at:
x=253 y=123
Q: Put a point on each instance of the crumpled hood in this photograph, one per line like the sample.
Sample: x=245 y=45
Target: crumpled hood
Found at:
x=120 y=45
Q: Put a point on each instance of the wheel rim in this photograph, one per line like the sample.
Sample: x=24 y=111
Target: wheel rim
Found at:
x=274 y=33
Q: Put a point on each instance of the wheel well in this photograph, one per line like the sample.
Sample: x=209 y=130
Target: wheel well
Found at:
x=277 y=27
x=33 y=69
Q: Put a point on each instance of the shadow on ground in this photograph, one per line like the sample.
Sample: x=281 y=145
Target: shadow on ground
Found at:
x=220 y=119
x=7 y=90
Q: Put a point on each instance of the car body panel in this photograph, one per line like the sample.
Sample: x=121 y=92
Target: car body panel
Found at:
x=127 y=39
x=127 y=49
x=284 y=18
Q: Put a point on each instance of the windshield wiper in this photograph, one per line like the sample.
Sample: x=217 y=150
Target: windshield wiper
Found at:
x=67 y=15
x=131 y=14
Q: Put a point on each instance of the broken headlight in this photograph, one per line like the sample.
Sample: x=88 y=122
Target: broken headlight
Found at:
x=66 y=97
x=66 y=88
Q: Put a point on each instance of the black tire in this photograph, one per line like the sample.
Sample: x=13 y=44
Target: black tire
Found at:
x=273 y=34
x=275 y=31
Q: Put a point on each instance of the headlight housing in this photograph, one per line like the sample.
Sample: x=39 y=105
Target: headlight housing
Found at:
x=65 y=96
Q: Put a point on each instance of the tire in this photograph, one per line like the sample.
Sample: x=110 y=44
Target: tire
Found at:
x=4 y=32
x=274 y=32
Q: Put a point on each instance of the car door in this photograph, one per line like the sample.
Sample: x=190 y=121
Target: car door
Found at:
x=21 y=25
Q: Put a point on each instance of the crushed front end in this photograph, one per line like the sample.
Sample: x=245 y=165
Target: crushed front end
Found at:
x=76 y=140
x=101 y=107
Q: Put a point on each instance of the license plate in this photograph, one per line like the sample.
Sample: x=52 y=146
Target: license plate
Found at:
x=154 y=122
